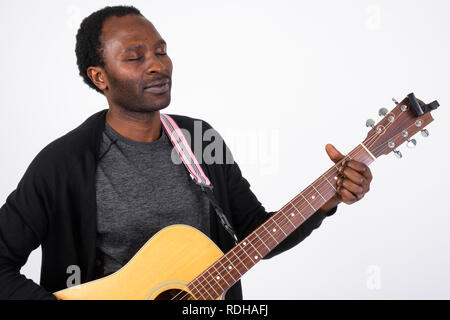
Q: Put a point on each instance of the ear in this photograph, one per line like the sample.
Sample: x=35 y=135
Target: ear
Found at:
x=97 y=76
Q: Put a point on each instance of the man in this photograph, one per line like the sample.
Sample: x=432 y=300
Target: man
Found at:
x=93 y=197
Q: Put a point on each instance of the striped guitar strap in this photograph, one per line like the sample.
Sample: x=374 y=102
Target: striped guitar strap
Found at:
x=183 y=149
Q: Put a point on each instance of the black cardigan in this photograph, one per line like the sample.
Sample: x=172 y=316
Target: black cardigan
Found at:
x=54 y=205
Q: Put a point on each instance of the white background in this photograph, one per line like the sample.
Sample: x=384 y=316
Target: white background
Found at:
x=290 y=76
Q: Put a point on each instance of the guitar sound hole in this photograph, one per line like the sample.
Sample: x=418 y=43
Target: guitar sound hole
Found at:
x=174 y=294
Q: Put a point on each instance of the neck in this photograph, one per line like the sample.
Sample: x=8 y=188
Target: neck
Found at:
x=136 y=126
x=219 y=277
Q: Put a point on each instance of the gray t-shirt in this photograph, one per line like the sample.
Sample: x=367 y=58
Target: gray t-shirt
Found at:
x=140 y=191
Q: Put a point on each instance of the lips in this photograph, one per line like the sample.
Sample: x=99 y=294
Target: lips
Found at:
x=158 y=87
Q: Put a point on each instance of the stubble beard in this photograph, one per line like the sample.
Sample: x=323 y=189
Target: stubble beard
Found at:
x=131 y=102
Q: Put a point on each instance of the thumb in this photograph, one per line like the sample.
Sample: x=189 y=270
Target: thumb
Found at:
x=333 y=153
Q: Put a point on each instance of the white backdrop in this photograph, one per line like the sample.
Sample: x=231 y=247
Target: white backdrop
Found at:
x=290 y=76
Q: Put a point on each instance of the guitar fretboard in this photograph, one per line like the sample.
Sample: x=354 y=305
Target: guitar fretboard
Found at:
x=219 y=277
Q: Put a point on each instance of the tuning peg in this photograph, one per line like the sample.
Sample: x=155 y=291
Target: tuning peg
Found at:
x=398 y=154
x=370 y=123
x=424 y=132
x=382 y=112
x=395 y=101
x=411 y=143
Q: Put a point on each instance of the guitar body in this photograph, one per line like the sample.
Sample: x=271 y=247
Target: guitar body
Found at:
x=161 y=269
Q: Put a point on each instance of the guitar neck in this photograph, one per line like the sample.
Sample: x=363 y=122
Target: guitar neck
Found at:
x=220 y=276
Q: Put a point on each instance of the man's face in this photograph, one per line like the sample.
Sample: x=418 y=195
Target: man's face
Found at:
x=135 y=58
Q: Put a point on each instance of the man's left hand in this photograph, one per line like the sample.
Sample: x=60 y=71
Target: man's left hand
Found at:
x=353 y=180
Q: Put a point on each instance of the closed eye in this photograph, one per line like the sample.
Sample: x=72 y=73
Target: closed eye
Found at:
x=140 y=58
x=135 y=59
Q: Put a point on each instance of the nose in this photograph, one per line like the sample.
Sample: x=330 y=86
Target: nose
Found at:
x=156 y=65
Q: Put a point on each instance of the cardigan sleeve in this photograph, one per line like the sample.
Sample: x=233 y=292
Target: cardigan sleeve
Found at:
x=23 y=226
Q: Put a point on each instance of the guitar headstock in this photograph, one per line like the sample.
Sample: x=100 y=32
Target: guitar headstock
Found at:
x=399 y=125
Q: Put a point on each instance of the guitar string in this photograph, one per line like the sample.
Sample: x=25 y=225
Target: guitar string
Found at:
x=268 y=235
x=258 y=242
x=264 y=235
x=238 y=256
x=369 y=143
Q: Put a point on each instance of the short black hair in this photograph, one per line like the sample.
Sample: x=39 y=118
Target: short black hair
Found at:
x=88 y=48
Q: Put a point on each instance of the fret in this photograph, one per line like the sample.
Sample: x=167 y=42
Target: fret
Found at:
x=256 y=234
x=315 y=197
x=329 y=182
x=326 y=192
x=231 y=266
x=319 y=194
x=272 y=229
x=301 y=215
x=337 y=172
x=212 y=286
x=201 y=283
x=254 y=248
x=204 y=289
x=288 y=227
x=220 y=276
x=279 y=228
x=289 y=219
x=270 y=234
x=334 y=175
x=232 y=251
x=292 y=215
x=195 y=291
x=311 y=194
x=245 y=251
x=227 y=270
x=308 y=202
x=196 y=296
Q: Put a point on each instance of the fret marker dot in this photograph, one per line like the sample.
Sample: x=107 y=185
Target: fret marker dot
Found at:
x=292 y=214
x=244 y=243
x=335 y=178
x=274 y=230
x=256 y=257
x=313 y=197
x=229 y=267
x=217 y=277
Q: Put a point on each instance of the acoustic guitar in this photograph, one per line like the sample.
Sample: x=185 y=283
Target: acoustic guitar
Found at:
x=179 y=262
